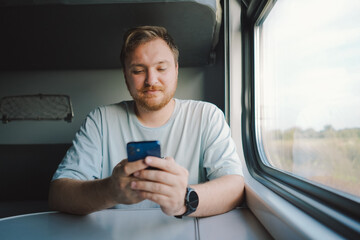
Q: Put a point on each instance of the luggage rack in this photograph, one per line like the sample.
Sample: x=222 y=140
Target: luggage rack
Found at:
x=87 y=34
x=36 y=107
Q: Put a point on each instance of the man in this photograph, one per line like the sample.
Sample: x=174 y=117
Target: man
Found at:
x=200 y=156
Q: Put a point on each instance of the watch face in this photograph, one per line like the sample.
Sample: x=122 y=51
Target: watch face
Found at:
x=193 y=199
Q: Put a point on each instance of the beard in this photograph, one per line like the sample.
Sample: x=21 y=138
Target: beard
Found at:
x=153 y=102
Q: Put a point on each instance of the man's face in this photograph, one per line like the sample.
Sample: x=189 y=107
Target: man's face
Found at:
x=151 y=75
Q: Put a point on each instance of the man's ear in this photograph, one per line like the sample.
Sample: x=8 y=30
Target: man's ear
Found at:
x=124 y=73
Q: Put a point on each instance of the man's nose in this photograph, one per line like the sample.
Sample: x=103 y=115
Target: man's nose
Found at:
x=151 y=77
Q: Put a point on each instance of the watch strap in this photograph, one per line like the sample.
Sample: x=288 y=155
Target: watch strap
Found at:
x=191 y=202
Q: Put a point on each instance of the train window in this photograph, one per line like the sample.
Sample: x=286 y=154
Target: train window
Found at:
x=307 y=71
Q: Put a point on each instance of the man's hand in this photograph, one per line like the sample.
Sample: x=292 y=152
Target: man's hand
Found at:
x=121 y=179
x=87 y=196
x=166 y=186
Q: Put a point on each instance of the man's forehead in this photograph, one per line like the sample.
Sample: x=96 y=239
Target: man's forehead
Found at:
x=155 y=48
x=139 y=64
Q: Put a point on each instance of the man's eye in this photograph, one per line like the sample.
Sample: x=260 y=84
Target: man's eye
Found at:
x=137 y=71
x=161 y=69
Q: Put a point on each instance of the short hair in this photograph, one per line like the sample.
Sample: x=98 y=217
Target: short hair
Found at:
x=134 y=37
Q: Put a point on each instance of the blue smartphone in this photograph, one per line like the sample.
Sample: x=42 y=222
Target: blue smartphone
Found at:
x=140 y=150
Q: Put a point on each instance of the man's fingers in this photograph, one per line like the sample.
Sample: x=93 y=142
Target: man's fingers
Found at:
x=152 y=187
x=169 y=205
x=157 y=198
x=121 y=181
x=167 y=164
x=160 y=176
x=126 y=168
x=166 y=186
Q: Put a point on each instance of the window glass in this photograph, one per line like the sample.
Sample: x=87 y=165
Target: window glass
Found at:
x=307 y=82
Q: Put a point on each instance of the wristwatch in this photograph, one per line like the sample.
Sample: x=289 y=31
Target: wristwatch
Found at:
x=191 y=202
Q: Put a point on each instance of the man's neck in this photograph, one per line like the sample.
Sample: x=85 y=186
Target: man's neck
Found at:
x=157 y=118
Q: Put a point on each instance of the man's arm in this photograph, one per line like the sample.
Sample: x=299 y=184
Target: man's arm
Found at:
x=219 y=195
x=80 y=197
x=168 y=188
x=84 y=197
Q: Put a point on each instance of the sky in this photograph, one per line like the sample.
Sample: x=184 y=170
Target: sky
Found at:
x=311 y=64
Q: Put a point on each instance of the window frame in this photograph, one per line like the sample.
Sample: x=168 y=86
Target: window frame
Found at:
x=337 y=212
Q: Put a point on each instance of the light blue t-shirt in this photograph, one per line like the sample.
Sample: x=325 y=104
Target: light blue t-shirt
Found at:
x=196 y=136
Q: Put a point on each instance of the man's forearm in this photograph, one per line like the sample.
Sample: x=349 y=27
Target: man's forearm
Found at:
x=219 y=195
x=80 y=197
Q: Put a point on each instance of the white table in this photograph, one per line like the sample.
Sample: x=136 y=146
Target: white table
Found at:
x=132 y=224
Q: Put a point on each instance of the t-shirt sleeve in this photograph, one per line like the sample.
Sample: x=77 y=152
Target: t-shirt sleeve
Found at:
x=83 y=160
x=220 y=156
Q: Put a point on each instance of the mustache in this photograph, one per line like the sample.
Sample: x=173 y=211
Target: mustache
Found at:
x=152 y=88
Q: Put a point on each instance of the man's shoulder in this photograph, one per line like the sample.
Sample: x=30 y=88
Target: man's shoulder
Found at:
x=115 y=107
x=109 y=110
x=198 y=105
